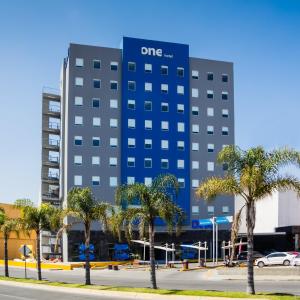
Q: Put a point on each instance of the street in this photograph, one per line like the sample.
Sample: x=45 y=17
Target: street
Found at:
x=168 y=279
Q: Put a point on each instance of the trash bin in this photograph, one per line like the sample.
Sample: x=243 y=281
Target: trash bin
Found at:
x=110 y=267
x=185 y=264
x=116 y=268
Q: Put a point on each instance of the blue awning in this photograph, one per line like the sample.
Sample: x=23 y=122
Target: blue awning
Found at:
x=208 y=223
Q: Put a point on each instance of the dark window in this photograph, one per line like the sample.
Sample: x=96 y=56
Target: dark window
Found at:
x=114 y=67
x=148 y=105
x=180 y=72
x=148 y=163
x=164 y=164
x=210 y=95
x=131 y=66
x=195 y=112
x=96 y=142
x=113 y=85
x=225 y=115
x=164 y=107
x=131 y=85
x=210 y=76
x=224 y=132
x=148 y=145
x=225 y=78
x=95 y=182
x=97 y=64
x=96 y=83
x=78 y=142
x=225 y=167
x=96 y=103
x=130 y=163
x=131 y=104
x=224 y=96
x=210 y=149
x=164 y=70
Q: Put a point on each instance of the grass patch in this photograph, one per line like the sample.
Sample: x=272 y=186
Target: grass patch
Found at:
x=205 y=293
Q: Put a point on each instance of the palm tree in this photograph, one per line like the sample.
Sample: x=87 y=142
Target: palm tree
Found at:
x=83 y=206
x=7 y=226
x=251 y=174
x=35 y=219
x=155 y=202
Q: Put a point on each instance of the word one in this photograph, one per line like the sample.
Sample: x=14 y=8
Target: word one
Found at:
x=151 y=51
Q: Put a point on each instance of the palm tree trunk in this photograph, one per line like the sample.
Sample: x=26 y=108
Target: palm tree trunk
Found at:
x=250 y=228
x=6 y=254
x=152 y=256
x=87 y=254
x=38 y=255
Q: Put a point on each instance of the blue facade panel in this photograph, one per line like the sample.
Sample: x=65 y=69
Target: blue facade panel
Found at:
x=157 y=54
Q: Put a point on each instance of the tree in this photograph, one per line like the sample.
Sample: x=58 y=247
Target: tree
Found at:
x=7 y=226
x=251 y=174
x=155 y=201
x=83 y=206
x=35 y=219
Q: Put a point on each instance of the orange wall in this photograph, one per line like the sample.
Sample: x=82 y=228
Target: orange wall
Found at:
x=14 y=242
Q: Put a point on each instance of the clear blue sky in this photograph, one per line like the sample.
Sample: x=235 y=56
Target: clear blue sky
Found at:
x=261 y=37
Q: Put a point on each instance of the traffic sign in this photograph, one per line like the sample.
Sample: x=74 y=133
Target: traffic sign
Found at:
x=25 y=250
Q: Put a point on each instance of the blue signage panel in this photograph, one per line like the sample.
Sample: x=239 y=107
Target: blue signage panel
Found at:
x=155 y=78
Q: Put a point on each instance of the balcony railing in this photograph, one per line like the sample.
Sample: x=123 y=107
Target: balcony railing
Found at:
x=54 y=142
x=53 y=159
x=53 y=125
x=54 y=108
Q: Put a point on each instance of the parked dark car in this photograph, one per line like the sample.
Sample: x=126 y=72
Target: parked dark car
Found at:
x=243 y=255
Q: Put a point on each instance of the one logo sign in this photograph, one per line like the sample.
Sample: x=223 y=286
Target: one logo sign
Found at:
x=25 y=250
x=151 y=51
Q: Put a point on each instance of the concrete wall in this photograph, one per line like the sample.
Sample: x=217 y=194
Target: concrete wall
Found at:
x=289 y=209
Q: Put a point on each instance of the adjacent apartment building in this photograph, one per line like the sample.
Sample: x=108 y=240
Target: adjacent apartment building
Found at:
x=127 y=115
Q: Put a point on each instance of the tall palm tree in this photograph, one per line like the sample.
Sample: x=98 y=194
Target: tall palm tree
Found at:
x=83 y=206
x=7 y=226
x=155 y=202
x=251 y=174
x=35 y=219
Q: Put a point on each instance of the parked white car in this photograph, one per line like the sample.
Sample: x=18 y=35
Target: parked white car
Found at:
x=275 y=258
x=296 y=261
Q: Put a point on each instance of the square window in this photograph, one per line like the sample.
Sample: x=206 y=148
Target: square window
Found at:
x=195 y=128
x=195 y=183
x=195 y=74
x=210 y=166
x=195 y=146
x=164 y=70
x=180 y=89
x=224 y=130
x=78 y=120
x=148 y=68
x=77 y=180
x=113 y=161
x=195 y=93
x=225 y=209
x=195 y=209
x=195 y=165
x=113 y=142
x=96 y=121
x=210 y=209
x=96 y=141
x=131 y=142
x=78 y=140
x=96 y=83
x=148 y=105
x=148 y=124
x=131 y=123
x=164 y=125
x=114 y=66
x=210 y=112
x=164 y=144
x=210 y=94
x=148 y=144
x=210 y=147
x=131 y=66
x=131 y=85
x=95 y=160
x=78 y=81
x=180 y=72
x=148 y=163
x=224 y=95
x=96 y=64
x=180 y=164
x=164 y=107
x=148 y=86
x=113 y=181
x=225 y=113
x=195 y=110
x=114 y=85
x=131 y=104
x=95 y=180
x=164 y=163
x=180 y=108
x=210 y=129
x=181 y=183
x=225 y=167
x=180 y=127
x=224 y=77
x=180 y=145
x=148 y=181
x=113 y=123
x=96 y=102
x=77 y=159
x=164 y=88
x=130 y=180
x=210 y=76
x=131 y=162
x=113 y=103
x=78 y=101
x=79 y=62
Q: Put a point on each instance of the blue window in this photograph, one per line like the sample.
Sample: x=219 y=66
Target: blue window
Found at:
x=164 y=70
x=96 y=141
x=225 y=78
x=148 y=105
x=96 y=102
x=131 y=85
x=96 y=64
x=78 y=140
x=148 y=163
x=210 y=76
x=180 y=72
x=113 y=85
x=97 y=83
x=131 y=66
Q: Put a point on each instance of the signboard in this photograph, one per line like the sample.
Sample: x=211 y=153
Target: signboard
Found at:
x=25 y=250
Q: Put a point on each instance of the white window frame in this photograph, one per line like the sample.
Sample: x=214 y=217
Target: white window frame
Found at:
x=79 y=62
x=180 y=108
x=96 y=179
x=180 y=89
x=195 y=183
x=96 y=121
x=78 y=180
x=210 y=112
x=113 y=181
x=195 y=165
x=131 y=159
x=78 y=120
x=195 y=73
x=164 y=144
x=113 y=123
x=131 y=123
x=148 y=124
x=164 y=88
x=113 y=103
x=195 y=128
x=195 y=146
x=131 y=142
x=113 y=142
x=165 y=125
x=96 y=160
x=180 y=127
x=195 y=93
x=78 y=101
x=78 y=160
x=113 y=161
x=148 y=86
x=78 y=81
x=180 y=163
x=210 y=166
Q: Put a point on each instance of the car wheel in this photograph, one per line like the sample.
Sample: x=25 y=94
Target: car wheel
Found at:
x=286 y=263
x=261 y=264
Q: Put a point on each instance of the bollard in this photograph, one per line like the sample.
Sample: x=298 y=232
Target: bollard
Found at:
x=116 y=268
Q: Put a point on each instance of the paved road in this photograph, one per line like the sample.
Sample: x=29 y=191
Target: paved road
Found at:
x=169 y=279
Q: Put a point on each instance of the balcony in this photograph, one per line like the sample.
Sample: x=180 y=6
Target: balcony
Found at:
x=53 y=111
x=52 y=128
x=52 y=145
x=53 y=162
